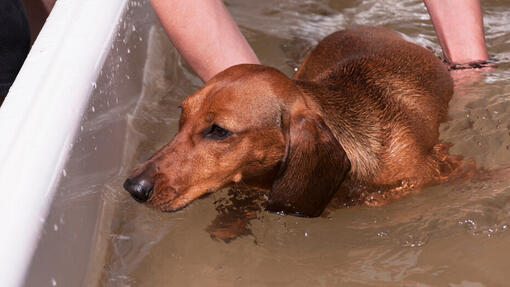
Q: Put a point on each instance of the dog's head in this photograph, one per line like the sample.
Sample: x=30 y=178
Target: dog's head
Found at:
x=250 y=124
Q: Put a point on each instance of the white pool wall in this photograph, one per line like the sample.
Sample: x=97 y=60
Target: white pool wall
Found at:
x=40 y=117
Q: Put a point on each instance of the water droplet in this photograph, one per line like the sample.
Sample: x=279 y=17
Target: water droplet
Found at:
x=123 y=237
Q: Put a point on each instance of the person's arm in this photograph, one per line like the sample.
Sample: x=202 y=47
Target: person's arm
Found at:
x=205 y=34
x=459 y=28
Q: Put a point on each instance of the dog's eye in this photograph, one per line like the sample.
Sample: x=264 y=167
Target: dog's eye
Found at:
x=218 y=133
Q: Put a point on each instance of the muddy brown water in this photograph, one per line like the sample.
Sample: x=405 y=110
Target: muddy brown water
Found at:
x=448 y=235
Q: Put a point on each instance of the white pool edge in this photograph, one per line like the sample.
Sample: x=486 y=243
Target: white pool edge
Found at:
x=40 y=116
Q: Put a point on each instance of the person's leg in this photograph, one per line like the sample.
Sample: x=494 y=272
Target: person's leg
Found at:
x=459 y=28
x=14 y=42
x=205 y=34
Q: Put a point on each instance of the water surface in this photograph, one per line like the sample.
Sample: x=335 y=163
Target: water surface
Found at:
x=449 y=235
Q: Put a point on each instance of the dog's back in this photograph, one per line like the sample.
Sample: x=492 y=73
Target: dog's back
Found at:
x=384 y=97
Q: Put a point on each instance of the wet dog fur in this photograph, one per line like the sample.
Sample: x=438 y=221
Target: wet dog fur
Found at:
x=359 y=119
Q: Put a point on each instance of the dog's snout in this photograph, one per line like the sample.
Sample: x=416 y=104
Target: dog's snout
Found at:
x=140 y=187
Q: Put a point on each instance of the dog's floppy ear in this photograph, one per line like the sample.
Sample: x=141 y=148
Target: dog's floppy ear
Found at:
x=312 y=170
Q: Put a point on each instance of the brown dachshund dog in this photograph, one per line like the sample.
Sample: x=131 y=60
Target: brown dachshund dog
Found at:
x=364 y=108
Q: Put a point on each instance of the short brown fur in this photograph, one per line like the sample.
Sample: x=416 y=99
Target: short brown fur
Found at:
x=363 y=109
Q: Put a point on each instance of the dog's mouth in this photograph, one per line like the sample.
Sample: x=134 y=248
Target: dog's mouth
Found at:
x=163 y=198
x=171 y=209
x=170 y=200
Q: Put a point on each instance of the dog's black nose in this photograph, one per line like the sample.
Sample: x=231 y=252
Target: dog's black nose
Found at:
x=139 y=187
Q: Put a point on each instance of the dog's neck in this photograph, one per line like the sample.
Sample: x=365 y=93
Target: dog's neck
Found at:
x=348 y=114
